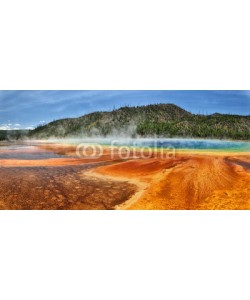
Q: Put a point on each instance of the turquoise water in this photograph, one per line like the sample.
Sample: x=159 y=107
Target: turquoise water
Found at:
x=191 y=144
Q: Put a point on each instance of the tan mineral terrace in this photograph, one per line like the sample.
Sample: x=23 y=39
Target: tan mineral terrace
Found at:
x=190 y=180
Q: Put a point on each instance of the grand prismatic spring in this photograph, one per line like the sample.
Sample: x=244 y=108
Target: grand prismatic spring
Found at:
x=125 y=174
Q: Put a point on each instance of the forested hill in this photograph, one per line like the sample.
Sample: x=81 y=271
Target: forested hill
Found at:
x=163 y=120
x=13 y=134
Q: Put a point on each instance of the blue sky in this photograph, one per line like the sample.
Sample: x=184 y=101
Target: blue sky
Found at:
x=27 y=109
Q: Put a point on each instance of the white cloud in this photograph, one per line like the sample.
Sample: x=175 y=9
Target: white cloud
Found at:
x=5 y=127
x=10 y=126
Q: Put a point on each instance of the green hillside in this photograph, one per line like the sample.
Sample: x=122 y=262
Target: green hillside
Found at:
x=13 y=134
x=163 y=120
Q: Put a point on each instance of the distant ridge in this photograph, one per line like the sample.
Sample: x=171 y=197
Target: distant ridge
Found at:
x=13 y=134
x=163 y=120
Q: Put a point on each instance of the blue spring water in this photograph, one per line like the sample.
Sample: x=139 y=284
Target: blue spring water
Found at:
x=195 y=144
x=192 y=144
